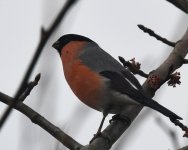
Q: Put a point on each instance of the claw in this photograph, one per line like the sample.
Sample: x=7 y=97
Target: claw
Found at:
x=100 y=135
x=122 y=118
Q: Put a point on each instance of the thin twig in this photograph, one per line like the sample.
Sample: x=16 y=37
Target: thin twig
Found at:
x=45 y=34
x=181 y=4
x=42 y=122
x=158 y=37
x=25 y=93
x=31 y=85
x=128 y=64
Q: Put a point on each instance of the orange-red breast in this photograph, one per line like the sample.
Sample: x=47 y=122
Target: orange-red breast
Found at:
x=100 y=81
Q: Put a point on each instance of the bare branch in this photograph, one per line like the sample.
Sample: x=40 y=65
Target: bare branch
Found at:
x=158 y=37
x=133 y=66
x=31 y=85
x=174 y=61
x=42 y=122
x=181 y=4
x=45 y=34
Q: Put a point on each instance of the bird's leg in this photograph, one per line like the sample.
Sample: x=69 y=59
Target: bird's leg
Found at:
x=98 y=134
x=102 y=122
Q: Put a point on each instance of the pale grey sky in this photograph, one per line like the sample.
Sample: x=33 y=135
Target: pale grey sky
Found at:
x=113 y=25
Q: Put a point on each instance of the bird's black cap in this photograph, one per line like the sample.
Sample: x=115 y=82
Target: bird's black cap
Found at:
x=65 y=39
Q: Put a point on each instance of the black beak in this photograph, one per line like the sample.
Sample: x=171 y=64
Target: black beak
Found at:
x=57 y=46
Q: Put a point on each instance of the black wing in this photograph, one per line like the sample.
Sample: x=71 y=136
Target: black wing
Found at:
x=122 y=85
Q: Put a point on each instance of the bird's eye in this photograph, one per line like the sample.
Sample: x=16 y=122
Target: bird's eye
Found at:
x=66 y=52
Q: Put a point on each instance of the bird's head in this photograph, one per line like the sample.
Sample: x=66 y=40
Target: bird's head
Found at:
x=66 y=39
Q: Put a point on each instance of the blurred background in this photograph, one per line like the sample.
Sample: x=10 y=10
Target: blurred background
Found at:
x=113 y=25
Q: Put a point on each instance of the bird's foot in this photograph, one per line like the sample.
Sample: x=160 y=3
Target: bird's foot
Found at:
x=97 y=135
x=100 y=135
x=122 y=118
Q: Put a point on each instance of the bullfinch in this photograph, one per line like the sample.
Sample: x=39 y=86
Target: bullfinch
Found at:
x=100 y=81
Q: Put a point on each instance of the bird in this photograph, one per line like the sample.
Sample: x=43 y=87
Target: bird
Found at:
x=100 y=81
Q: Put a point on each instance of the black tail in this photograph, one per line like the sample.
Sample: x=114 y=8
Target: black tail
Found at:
x=156 y=106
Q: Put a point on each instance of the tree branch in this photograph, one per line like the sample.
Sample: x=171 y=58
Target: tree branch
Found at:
x=158 y=37
x=133 y=66
x=31 y=85
x=42 y=122
x=181 y=4
x=45 y=34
